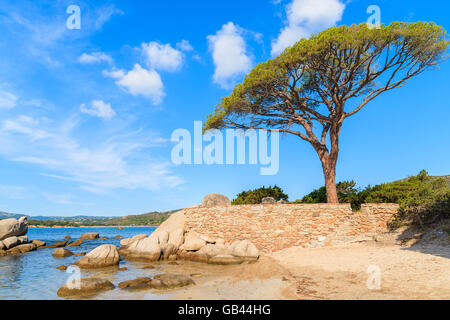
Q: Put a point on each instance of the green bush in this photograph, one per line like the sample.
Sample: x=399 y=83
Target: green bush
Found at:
x=255 y=196
x=347 y=193
x=422 y=199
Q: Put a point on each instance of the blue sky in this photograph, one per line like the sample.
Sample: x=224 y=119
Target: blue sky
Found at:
x=86 y=114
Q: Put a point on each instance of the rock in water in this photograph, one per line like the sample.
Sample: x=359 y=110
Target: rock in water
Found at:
x=90 y=236
x=244 y=249
x=148 y=267
x=137 y=284
x=62 y=253
x=268 y=200
x=225 y=259
x=59 y=244
x=13 y=227
x=10 y=242
x=176 y=237
x=212 y=250
x=215 y=200
x=147 y=249
x=81 y=254
x=196 y=256
x=171 y=281
x=193 y=242
x=22 y=239
x=87 y=286
x=38 y=243
x=128 y=241
x=163 y=241
x=62 y=268
x=103 y=256
x=169 y=250
x=118 y=237
x=166 y=238
x=76 y=243
x=24 y=248
x=173 y=228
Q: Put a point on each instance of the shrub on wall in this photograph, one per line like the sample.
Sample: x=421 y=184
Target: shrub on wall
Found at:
x=423 y=199
x=255 y=196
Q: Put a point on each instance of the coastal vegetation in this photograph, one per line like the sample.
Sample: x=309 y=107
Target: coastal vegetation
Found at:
x=255 y=196
x=423 y=199
x=308 y=89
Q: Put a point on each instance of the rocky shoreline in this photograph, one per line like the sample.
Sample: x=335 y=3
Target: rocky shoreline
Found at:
x=13 y=239
x=118 y=226
x=170 y=242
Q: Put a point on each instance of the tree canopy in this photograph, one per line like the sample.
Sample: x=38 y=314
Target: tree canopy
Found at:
x=313 y=86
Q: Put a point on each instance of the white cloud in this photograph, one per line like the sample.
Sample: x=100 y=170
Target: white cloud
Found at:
x=305 y=17
x=104 y=14
x=184 y=45
x=99 y=109
x=229 y=54
x=13 y=192
x=140 y=81
x=162 y=56
x=94 y=57
x=119 y=162
x=65 y=199
x=196 y=57
x=26 y=126
x=8 y=100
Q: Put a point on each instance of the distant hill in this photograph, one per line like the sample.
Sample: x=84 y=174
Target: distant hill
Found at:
x=146 y=219
x=6 y=215
x=56 y=218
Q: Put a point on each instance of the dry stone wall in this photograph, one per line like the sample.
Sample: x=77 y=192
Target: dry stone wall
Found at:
x=272 y=227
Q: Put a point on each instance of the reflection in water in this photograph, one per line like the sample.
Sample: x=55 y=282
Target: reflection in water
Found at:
x=10 y=271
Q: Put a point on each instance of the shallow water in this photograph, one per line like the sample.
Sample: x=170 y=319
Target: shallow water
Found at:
x=34 y=275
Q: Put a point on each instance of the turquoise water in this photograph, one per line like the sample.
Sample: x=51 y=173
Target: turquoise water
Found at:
x=34 y=275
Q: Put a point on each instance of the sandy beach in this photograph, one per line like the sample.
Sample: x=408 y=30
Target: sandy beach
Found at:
x=406 y=272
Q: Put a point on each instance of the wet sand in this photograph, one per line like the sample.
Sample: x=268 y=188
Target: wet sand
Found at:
x=320 y=273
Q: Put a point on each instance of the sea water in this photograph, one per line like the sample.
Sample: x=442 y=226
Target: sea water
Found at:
x=33 y=275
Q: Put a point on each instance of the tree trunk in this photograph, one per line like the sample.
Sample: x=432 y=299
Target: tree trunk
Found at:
x=329 y=172
x=328 y=158
x=330 y=183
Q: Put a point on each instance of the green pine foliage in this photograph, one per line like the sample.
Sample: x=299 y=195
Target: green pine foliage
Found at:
x=347 y=193
x=255 y=196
